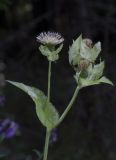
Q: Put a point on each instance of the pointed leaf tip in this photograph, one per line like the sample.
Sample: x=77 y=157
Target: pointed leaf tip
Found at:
x=45 y=110
x=106 y=80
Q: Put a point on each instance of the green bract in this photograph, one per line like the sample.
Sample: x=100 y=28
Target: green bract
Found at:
x=46 y=112
x=80 y=50
x=74 y=51
x=93 y=75
x=82 y=56
x=52 y=55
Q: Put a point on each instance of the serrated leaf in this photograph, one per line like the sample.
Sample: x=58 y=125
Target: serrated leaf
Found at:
x=106 y=80
x=46 y=112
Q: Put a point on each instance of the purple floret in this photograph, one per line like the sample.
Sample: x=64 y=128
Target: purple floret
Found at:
x=8 y=128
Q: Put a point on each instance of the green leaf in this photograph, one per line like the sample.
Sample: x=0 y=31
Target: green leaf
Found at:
x=95 y=51
x=84 y=82
x=90 y=54
x=44 y=50
x=77 y=76
x=85 y=51
x=95 y=72
x=52 y=55
x=80 y=50
x=74 y=51
x=46 y=112
x=106 y=80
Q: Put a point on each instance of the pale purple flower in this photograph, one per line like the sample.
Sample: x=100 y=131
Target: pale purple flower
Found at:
x=50 y=38
x=8 y=128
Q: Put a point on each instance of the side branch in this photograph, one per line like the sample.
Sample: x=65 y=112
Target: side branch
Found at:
x=69 y=106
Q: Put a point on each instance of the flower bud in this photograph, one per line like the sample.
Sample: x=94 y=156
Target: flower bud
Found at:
x=83 y=64
x=82 y=53
x=51 y=45
x=88 y=42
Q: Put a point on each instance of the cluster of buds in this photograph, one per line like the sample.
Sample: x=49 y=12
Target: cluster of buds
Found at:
x=82 y=56
x=82 y=53
x=84 y=63
x=49 y=41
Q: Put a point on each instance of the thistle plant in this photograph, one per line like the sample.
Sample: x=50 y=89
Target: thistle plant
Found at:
x=82 y=57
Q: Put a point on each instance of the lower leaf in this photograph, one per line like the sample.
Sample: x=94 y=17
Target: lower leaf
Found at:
x=46 y=112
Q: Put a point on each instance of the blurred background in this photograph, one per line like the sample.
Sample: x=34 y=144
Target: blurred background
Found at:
x=89 y=131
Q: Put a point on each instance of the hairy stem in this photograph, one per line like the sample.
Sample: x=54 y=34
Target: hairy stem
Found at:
x=69 y=106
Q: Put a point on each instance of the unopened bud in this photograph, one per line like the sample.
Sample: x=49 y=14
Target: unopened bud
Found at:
x=88 y=42
x=83 y=64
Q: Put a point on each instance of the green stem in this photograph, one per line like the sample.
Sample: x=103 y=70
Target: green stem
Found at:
x=69 y=106
x=49 y=79
x=47 y=132
x=46 y=145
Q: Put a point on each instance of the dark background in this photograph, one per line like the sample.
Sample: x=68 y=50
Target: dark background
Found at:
x=89 y=131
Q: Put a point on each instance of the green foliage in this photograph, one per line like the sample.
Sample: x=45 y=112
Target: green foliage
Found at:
x=82 y=55
x=52 y=55
x=74 y=50
x=80 y=50
x=93 y=76
x=46 y=112
x=90 y=53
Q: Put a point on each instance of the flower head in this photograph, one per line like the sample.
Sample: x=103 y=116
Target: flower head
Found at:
x=50 y=38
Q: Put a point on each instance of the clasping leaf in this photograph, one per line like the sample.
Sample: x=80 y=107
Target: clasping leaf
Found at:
x=46 y=112
x=94 y=75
